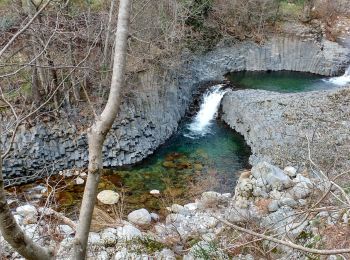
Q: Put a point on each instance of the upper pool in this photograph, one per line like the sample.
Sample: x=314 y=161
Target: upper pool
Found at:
x=279 y=81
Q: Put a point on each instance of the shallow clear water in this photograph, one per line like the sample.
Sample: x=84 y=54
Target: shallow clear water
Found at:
x=280 y=81
x=183 y=167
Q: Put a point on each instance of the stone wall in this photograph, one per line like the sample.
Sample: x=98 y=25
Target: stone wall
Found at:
x=151 y=114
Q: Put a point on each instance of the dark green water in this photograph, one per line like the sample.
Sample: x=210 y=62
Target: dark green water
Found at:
x=279 y=81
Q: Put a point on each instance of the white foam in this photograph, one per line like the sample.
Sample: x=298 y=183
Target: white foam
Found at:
x=341 y=80
x=200 y=126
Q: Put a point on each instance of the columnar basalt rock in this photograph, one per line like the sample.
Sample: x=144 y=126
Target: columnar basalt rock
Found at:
x=293 y=129
x=150 y=114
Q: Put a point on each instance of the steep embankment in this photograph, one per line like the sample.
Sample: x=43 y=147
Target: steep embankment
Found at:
x=281 y=128
x=150 y=114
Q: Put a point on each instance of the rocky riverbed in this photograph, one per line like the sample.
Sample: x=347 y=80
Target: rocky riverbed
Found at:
x=267 y=199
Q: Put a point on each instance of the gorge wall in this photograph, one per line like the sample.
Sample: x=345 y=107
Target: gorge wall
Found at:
x=291 y=129
x=151 y=114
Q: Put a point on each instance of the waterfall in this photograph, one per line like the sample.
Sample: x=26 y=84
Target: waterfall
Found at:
x=200 y=126
x=341 y=80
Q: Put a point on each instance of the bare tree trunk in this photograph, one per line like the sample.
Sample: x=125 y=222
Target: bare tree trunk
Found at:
x=98 y=131
x=106 y=58
x=105 y=61
x=308 y=5
x=13 y=234
x=35 y=85
x=36 y=80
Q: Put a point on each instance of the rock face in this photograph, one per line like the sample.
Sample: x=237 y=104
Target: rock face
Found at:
x=281 y=128
x=150 y=114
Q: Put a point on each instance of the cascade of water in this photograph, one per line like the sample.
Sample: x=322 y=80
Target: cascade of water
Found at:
x=341 y=80
x=200 y=126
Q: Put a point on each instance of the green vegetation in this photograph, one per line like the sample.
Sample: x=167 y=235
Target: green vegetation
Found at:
x=207 y=251
x=291 y=10
x=149 y=245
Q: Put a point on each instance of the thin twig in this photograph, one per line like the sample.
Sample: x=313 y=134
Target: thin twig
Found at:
x=287 y=243
x=24 y=28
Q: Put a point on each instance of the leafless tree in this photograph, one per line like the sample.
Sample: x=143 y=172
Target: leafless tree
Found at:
x=9 y=228
x=98 y=131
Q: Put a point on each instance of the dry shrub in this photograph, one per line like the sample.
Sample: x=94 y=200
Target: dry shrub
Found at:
x=245 y=18
x=102 y=219
x=262 y=205
x=105 y=216
x=328 y=12
x=337 y=237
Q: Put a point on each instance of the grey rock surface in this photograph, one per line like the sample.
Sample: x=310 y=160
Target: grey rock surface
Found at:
x=289 y=129
x=271 y=176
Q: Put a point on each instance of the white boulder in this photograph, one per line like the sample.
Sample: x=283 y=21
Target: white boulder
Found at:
x=108 y=237
x=95 y=239
x=210 y=198
x=65 y=229
x=108 y=197
x=154 y=216
x=128 y=232
x=154 y=192
x=176 y=208
x=191 y=206
x=124 y=254
x=27 y=210
x=140 y=217
x=165 y=254
x=79 y=181
x=290 y=171
x=273 y=206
